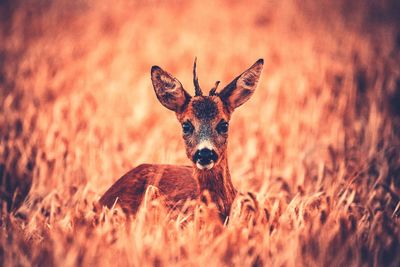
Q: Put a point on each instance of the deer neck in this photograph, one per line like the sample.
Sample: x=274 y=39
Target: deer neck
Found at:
x=218 y=185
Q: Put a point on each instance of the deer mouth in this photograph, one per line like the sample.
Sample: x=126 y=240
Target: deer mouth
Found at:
x=207 y=166
x=205 y=158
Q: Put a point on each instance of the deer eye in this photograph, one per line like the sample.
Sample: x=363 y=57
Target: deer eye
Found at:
x=187 y=127
x=222 y=127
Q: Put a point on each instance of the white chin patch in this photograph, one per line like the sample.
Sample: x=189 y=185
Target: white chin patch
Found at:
x=205 y=167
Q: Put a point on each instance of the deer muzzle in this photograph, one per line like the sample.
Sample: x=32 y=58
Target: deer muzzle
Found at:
x=205 y=158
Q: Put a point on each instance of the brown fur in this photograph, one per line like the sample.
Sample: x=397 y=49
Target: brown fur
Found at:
x=204 y=113
x=176 y=183
x=217 y=183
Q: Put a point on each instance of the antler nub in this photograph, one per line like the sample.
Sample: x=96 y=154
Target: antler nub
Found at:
x=214 y=89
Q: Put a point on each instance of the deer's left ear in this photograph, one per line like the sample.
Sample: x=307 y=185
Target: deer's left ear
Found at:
x=241 y=88
x=169 y=90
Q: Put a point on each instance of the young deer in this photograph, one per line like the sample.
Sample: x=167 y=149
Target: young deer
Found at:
x=204 y=121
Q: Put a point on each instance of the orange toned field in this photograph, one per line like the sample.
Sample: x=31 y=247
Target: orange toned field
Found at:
x=318 y=143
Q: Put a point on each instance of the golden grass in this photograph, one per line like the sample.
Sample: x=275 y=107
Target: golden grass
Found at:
x=318 y=143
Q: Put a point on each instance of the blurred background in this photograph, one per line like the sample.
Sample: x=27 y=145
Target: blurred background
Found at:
x=77 y=111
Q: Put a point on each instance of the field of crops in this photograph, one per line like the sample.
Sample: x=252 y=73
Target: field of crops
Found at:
x=318 y=143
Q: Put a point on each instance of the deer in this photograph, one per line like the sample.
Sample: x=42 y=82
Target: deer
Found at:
x=205 y=123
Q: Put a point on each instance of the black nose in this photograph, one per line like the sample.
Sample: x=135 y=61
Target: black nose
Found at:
x=205 y=156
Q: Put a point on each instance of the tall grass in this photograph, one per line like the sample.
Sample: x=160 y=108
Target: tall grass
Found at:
x=318 y=143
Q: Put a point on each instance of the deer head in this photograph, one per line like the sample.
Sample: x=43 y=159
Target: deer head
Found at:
x=205 y=119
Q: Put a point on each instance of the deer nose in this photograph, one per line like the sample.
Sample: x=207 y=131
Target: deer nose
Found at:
x=205 y=156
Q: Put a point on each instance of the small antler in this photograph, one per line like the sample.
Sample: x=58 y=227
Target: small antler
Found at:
x=214 y=89
x=197 y=89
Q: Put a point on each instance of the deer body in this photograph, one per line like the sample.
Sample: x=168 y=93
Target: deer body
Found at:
x=176 y=183
x=204 y=121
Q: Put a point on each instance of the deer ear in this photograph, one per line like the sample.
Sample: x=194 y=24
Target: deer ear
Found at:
x=169 y=90
x=241 y=88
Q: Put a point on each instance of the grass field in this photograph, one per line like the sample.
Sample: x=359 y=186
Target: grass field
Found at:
x=318 y=143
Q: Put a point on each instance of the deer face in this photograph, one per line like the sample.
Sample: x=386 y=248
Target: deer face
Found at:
x=205 y=119
x=205 y=130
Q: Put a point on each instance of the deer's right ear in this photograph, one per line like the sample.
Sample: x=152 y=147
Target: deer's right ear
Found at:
x=169 y=90
x=241 y=88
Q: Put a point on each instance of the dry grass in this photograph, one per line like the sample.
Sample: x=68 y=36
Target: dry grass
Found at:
x=318 y=143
